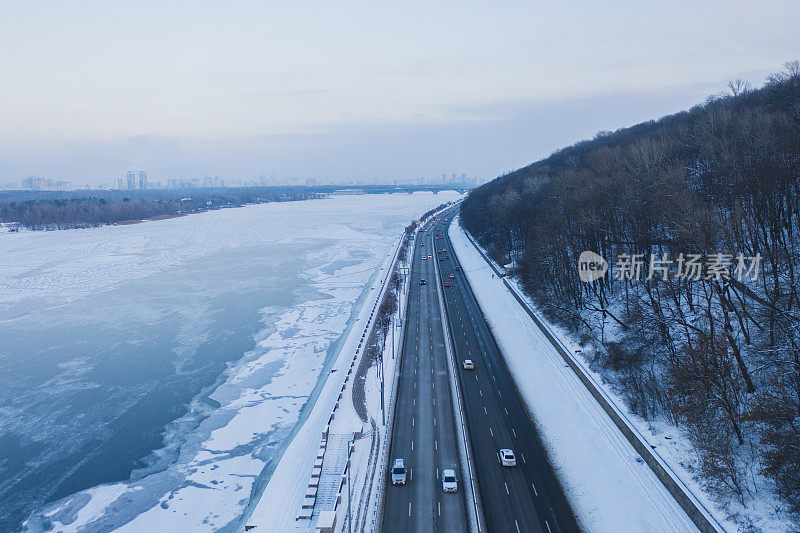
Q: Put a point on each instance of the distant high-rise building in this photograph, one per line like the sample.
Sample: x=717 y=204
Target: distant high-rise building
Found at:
x=35 y=183
x=120 y=183
x=208 y=181
x=130 y=180
x=142 y=179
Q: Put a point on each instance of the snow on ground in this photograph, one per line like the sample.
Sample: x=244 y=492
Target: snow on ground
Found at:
x=281 y=501
x=608 y=485
x=762 y=510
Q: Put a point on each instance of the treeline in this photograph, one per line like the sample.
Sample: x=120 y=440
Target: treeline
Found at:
x=62 y=210
x=713 y=352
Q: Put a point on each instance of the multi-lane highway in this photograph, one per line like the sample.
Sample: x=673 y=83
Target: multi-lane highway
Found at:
x=424 y=431
x=526 y=497
x=522 y=498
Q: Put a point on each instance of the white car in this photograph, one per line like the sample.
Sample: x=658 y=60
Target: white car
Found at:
x=449 y=483
x=468 y=364
x=507 y=457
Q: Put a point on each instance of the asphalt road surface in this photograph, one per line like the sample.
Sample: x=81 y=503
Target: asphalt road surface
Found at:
x=424 y=428
x=522 y=498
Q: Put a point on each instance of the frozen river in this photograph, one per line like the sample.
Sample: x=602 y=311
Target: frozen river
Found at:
x=161 y=367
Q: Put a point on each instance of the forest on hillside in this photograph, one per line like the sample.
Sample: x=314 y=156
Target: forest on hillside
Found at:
x=697 y=319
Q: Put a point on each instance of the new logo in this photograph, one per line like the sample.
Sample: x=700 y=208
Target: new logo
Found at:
x=591 y=266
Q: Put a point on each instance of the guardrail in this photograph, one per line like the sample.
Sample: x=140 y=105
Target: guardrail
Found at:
x=476 y=514
x=696 y=511
x=386 y=445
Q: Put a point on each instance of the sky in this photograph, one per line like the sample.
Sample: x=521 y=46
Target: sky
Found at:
x=356 y=90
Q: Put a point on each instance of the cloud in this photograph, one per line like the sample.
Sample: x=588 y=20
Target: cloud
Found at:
x=482 y=140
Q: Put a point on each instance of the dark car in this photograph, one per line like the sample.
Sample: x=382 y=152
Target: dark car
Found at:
x=422 y=282
x=446 y=283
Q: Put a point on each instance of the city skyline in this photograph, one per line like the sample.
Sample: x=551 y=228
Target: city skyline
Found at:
x=139 y=180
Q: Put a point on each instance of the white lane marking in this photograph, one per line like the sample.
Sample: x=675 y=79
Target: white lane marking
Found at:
x=516 y=524
x=484 y=410
x=534 y=490
x=548 y=526
x=412 y=445
x=411 y=473
x=412 y=421
x=506 y=410
x=436 y=444
x=434 y=420
x=437 y=472
x=514 y=432
x=434 y=401
x=414 y=402
x=409 y=508
x=480 y=392
x=506 y=484
x=439 y=507
x=523 y=458
x=491 y=432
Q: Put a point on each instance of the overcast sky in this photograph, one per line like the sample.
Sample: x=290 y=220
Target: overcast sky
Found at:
x=355 y=90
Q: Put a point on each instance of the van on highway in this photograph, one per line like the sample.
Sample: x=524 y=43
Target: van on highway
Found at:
x=399 y=472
